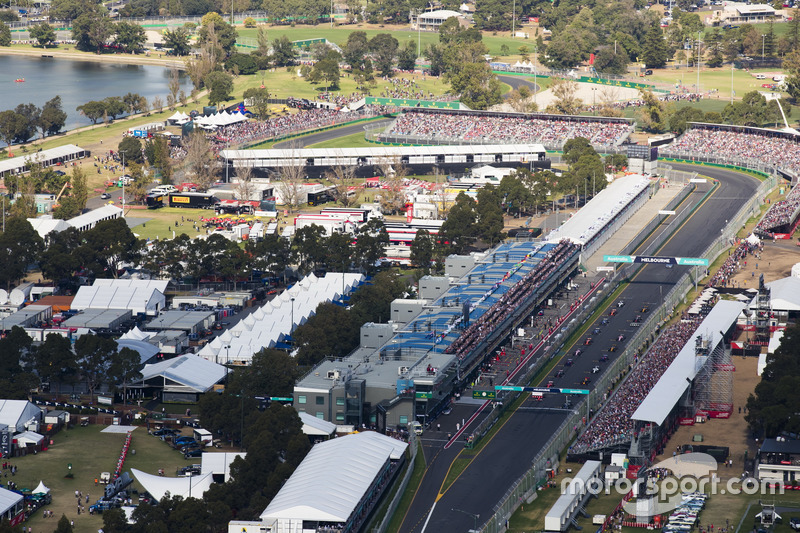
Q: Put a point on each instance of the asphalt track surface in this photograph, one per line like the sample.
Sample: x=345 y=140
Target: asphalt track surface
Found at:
x=516 y=82
x=510 y=452
x=328 y=135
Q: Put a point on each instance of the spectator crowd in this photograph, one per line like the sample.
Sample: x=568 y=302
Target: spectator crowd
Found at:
x=777 y=151
x=504 y=129
x=613 y=424
x=735 y=262
x=779 y=214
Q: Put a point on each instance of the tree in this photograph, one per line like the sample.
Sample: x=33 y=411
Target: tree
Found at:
x=370 y=245
x=94 y=355
x=241 y=64
x=130 y=37
x=356 y=49
x=566 y=100
x=219 y=85
x=791 y=65
x=94 y=110
x=258 y=99
x=460 y=227
x=422 y=249
x=489 y=226
x=515 y=195
x=225 y=34
x=59 y=261
x=52 y=118
x=407 y=57
x=114 y=106
x=28 y=118
x=327 y=70
x=342 y=177
x=132 y=148
x=54 y=360
x=5 y=35
x=64 y=525
x=108 y=246
x=92 y=29
x=43 y=34
x=331 y=332
x=177 y=41
x=283 y=52
x=652 y=113
x=608 y=61
x=384 y=50
x=20 y=246
x=10 y=124
x=477 y=86
x=134 y=103
x=199 y=160
x=73 y=205
x=308 y=249
x=655 y=50
x=124 y=369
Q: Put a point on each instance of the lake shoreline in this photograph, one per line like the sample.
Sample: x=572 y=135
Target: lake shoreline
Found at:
x=61 y=53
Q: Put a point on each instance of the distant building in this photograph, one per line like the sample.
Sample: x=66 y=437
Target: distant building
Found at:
x=736 y=13
x=431 y=20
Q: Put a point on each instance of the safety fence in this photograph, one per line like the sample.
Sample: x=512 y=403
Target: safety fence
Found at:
x=523 y=488
x=401 y=489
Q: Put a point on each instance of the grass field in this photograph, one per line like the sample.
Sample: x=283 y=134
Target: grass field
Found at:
x=90 y=452
x=355 y=140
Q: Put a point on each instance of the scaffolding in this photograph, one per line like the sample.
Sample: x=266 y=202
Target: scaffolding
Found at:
x=763 y=312
x=713 y=394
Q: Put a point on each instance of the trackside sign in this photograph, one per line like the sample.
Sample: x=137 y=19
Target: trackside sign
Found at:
x=658 y=260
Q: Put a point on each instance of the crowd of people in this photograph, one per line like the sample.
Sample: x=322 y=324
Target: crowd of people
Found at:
x=613 y=423
x=503 y=129
x=735 y=262
x=776 y=151
x=781 y=213
x=405 y=88
x=636 y=102
x=485 y=325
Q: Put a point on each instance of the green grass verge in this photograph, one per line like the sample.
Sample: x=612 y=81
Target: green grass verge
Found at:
x=90 y=452
x=411 y=490
x=355 y=140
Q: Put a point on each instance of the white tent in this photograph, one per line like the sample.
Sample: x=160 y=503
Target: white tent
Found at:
x=185 y=487
x=28 y=437
x=316 y=426
x=41 y=489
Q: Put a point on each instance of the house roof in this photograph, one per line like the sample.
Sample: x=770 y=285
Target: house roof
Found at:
x=8 y=499
x=316 y=426
x=333 y=478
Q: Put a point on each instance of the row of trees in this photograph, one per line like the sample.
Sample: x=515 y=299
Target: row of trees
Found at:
x=22 y=123
x=94 y=361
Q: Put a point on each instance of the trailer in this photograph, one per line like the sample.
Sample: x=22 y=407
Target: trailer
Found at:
x=193 y=200
x=155 y=200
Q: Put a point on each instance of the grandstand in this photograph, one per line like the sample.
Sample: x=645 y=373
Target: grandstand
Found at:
x=757 y=148
x=781 y=219
x=372 y=160
x=428 y=126
x=686 y=372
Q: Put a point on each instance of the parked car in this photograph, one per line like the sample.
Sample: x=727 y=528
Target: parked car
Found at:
x=197 y=452
x=105 y=196
x=165 y=432
x=183 y=441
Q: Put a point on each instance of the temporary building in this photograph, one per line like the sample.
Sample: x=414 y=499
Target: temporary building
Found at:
x=17 y=414
x=11 y=506
x=316 y=426
x=28 y=437
x=184 y=377
x=185 y=487
x=219 y=463
x=331 y=482
x=139 y=296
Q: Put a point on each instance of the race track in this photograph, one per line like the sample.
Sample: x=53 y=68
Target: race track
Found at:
x=510 y=452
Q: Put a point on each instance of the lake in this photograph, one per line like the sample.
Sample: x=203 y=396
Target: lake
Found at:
x=78 y=82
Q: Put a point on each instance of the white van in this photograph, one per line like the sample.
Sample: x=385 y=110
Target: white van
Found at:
x=164 y=189
x=417 y=427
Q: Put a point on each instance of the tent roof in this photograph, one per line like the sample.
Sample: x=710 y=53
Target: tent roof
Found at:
x=143 y=348
x=45 y=225
x=332 y=479
x=95 y=215
x=16 y=413
x=316 y=426
x=189 y=370
x=29 y=436
x=785 y=294
x=673 y=383
x=8 y=499
x=218 y=462
x=41 y=488
x=157 y=486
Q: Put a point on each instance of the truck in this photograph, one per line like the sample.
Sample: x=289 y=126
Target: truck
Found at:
x=194 y=200
x=155 y=199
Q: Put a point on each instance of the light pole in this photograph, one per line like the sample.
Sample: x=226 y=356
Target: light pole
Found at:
x=698 y=62
x=473 y=515
x=291 y=328
x=535 y=68
x=763 y=47
x=227 y=353
x=123 y=182
x=513 y=19
x=594 y=104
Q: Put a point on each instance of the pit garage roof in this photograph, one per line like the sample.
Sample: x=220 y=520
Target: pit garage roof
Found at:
x=388 y=152
x=88 y=220
x=673 y=383
x=607 y=204
x=333 y=478
x=189 y=370
x=18 y=164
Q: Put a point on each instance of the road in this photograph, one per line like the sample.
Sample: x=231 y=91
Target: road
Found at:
x=517 y=81
x=314 y=138
x=510 y=452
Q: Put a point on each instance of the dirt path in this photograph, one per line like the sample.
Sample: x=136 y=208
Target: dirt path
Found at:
x=66 y=53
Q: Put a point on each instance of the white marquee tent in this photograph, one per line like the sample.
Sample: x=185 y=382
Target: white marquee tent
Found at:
x=185 y=487
x=220 y=119
x=331 y=481
x=272 y=323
